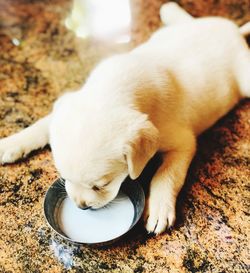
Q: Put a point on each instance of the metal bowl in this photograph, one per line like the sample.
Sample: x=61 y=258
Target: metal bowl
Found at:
x=56 y=194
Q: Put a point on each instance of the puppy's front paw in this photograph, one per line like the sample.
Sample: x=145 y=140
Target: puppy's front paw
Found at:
x=10 y=151
x=159 y=215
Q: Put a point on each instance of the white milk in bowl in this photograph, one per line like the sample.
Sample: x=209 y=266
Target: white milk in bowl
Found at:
x=96 y=226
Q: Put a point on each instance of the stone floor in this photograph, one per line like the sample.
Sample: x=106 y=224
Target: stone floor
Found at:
x=39 y=60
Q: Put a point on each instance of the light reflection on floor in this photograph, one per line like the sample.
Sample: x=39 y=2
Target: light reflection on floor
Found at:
x=101 y=19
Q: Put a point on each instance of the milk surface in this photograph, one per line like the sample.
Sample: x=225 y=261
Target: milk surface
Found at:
x=93 y=226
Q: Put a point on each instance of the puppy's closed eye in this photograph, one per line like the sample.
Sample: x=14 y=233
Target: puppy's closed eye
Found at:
x=100 y=187
x=95 y=188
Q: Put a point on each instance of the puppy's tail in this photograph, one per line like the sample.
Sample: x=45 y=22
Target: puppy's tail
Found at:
x=245 y=29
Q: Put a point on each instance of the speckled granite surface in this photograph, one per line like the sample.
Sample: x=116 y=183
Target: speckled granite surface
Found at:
x=212 y=231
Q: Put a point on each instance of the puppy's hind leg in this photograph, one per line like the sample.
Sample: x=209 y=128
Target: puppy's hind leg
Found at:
x=171 y=14
x=20 y=144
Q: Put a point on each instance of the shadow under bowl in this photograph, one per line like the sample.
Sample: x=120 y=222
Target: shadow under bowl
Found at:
x=56 y=194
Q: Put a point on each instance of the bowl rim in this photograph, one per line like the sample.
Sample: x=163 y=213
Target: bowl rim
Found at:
x=102 y=243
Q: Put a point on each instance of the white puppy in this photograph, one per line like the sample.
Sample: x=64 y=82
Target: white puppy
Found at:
x=158 y=97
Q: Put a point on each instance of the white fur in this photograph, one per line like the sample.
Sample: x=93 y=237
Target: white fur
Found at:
x=158 y=97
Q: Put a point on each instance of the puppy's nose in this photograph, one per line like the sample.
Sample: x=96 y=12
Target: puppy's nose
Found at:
x=83 y=206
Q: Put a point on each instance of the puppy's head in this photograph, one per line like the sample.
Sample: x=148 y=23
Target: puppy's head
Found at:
x=94 y=152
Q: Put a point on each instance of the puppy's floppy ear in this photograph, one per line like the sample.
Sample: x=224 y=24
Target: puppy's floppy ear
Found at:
x=142 y=145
